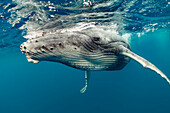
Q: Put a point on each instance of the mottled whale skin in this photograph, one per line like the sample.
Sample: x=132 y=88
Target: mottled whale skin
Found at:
x=85 y=50
x=88 y=50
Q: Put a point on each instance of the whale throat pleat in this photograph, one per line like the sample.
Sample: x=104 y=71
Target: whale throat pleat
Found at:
x=93 y=62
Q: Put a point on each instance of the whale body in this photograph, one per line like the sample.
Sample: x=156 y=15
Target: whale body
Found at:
x=88 y=50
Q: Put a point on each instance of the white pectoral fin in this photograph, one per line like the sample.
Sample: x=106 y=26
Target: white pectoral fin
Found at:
x=87 y=76
x=144 y=62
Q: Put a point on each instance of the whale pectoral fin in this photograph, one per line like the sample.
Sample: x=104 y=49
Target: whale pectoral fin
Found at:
x=87 y=76
x=143 y=62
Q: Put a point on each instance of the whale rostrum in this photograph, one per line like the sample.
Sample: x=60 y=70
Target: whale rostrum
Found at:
x=88 y=50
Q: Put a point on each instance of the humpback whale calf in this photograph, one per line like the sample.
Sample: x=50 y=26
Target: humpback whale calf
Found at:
x=88 y=50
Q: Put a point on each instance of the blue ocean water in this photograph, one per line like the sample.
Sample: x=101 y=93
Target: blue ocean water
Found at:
x=49 y=87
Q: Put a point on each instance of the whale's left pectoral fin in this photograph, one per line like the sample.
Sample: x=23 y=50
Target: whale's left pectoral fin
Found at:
x=143 y=62
x=87 y=76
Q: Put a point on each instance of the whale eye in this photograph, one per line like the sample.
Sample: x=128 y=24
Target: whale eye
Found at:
x=96 y=38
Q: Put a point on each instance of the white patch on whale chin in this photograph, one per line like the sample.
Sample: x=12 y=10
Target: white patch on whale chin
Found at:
x=32 y=60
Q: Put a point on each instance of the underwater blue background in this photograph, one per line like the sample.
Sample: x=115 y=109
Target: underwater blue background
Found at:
x=49 y=87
